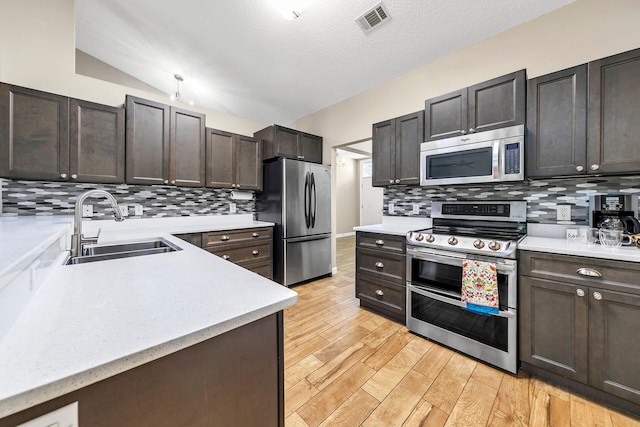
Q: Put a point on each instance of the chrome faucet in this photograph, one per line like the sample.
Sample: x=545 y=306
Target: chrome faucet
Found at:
x=77 y=239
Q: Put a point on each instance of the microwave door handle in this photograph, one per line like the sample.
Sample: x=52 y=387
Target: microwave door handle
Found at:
x=497 y=159
x=501 y=313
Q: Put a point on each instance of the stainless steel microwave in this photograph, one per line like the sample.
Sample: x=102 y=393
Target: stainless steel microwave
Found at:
x=484 y=157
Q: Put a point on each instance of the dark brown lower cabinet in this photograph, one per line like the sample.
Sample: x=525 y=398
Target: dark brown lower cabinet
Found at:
x=582 y=331
x=234 y=379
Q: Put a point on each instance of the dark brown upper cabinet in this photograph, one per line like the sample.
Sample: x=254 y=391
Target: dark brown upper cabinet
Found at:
x=396 y=150
x=165 y=145
x=614 y=114
x=556 y=132
x=53 y=138
x=279 y=141
x=493 y=104
x=233 y=161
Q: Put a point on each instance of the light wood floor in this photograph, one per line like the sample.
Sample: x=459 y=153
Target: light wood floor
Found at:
x=345 y=366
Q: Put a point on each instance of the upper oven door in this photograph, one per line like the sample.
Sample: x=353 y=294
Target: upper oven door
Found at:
x=440 y=272
x=460 y=164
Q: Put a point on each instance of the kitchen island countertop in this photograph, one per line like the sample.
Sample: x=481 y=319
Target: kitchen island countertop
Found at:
x=88 y=322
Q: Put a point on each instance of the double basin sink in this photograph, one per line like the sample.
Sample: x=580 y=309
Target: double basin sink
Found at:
x=107 y=251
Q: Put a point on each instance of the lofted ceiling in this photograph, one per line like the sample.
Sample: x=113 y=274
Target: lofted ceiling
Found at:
x=242 y=57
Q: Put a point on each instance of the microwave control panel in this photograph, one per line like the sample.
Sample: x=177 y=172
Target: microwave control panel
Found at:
x=512 y=158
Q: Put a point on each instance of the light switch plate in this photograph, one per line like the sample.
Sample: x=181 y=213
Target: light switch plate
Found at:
x=87 y=211
x=232 y=208
x=392 y=208
x=137 y=210
x=124 y=210
x=416 y=208
x=563 y=213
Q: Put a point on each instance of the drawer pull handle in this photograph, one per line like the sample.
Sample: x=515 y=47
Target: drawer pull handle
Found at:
x=225 y=257
x=379 y=242
x=379 y=292
x=379 y=265
x=580 y=292
x=256 y=234
x=597 y=296
x=255 y=252
x=224 y=238
x=590 y=272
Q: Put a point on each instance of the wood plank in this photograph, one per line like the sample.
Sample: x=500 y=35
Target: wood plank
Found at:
x=388 y=349
x=296 y=373
x=434 y=360
x=333 y=369
x=381 y=334
x=340 y=343
x=352 y=412
x=420 y=345
x=539 y=416
x=447 y=387
x=295 y=420
x=488 y=375
x=473 y=406
x=297 y=396
x=559 y=412
x=319 y=407
x=584 y=413
x=426 y=415
x=381 y=384
x=399 y=404
x=295 y=354
x=512 y=408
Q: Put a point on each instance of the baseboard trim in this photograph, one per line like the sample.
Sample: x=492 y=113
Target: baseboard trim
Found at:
x=349 y=234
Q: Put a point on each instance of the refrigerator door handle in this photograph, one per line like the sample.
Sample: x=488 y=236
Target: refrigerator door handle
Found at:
x=307 y=202
x=315 y=200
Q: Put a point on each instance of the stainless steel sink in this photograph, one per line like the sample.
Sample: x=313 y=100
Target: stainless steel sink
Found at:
x=107 y=251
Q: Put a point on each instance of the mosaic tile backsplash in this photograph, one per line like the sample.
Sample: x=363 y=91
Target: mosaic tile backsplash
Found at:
x=58 y=198
x=542 y=196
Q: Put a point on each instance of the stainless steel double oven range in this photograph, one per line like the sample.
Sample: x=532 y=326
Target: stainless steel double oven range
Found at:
x=486 y=231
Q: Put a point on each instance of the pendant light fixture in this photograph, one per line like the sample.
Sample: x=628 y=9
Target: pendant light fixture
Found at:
x=176 y=96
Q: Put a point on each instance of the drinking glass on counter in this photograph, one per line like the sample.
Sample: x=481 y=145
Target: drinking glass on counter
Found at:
x=610 y=238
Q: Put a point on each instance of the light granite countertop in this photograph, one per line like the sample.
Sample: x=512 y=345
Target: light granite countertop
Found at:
x=396 y=225
x=90 y=321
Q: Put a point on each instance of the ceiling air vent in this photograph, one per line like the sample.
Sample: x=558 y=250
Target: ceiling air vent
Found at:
x=373 y=17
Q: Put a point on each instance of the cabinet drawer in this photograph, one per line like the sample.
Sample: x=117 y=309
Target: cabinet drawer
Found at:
x=265 y=269
x=381 y=241
x=242 y=253
x=214 y=238
x=385 y=265
x=379 y=295
x=615 y=275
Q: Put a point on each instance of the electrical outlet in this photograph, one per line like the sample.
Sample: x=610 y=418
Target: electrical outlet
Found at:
x=563 y=213
x=124 y=210
x=232 y=208
x=392 y=208
x=137 y=210
x=87 y=211
x=416 y=208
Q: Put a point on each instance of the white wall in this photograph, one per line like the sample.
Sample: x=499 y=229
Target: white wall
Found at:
x=37 y=50
x=347 y=195
x=575 y=34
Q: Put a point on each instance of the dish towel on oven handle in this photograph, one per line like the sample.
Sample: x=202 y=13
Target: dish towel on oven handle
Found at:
x=480 y=286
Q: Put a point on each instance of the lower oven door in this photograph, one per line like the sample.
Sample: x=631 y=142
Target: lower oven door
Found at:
x=435 y=310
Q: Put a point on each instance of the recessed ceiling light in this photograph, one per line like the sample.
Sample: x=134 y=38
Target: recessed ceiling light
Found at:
x=290 y=9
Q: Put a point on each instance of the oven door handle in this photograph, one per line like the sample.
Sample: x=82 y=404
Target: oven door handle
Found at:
x=456 y=261
x=451 y=301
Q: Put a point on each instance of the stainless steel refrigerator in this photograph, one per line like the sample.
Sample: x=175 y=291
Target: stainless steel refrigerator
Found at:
x=296 y=197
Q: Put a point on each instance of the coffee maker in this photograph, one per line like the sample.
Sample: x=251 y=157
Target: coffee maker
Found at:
x=622 y=207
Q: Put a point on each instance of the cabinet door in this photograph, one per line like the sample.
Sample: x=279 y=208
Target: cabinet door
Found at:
x=286 y=142
x=614 y=345
x=34 y=134
x=408 y=135
x=446 y=115
x=147 y=141
x=96 y=151
x=554 y=327
x=383 y=153
x=310 y=147
x=187 y=148
x=614 y=90
x=248 y=162
x=219 y=159
x=557 y=123
x=497 y=103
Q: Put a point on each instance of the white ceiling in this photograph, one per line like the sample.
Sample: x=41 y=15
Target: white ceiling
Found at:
x=243 y=58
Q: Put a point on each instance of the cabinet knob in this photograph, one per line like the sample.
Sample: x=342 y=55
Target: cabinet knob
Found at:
x=63 y=175
x=390 y=181
x=464 y=132
x=397 y=181
x=225 y=257
x=166 y=181
x=379 y=265
x=255 y=252
x=256 y=234
x=580 y=292
x=74 y=176
x=595 y=167
x=597 y=296
x=173 y=181
x=224 y=238
x=579 y=168
x=380 y=242
x=379 y=292
x=471 y=130
x=589 y=272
